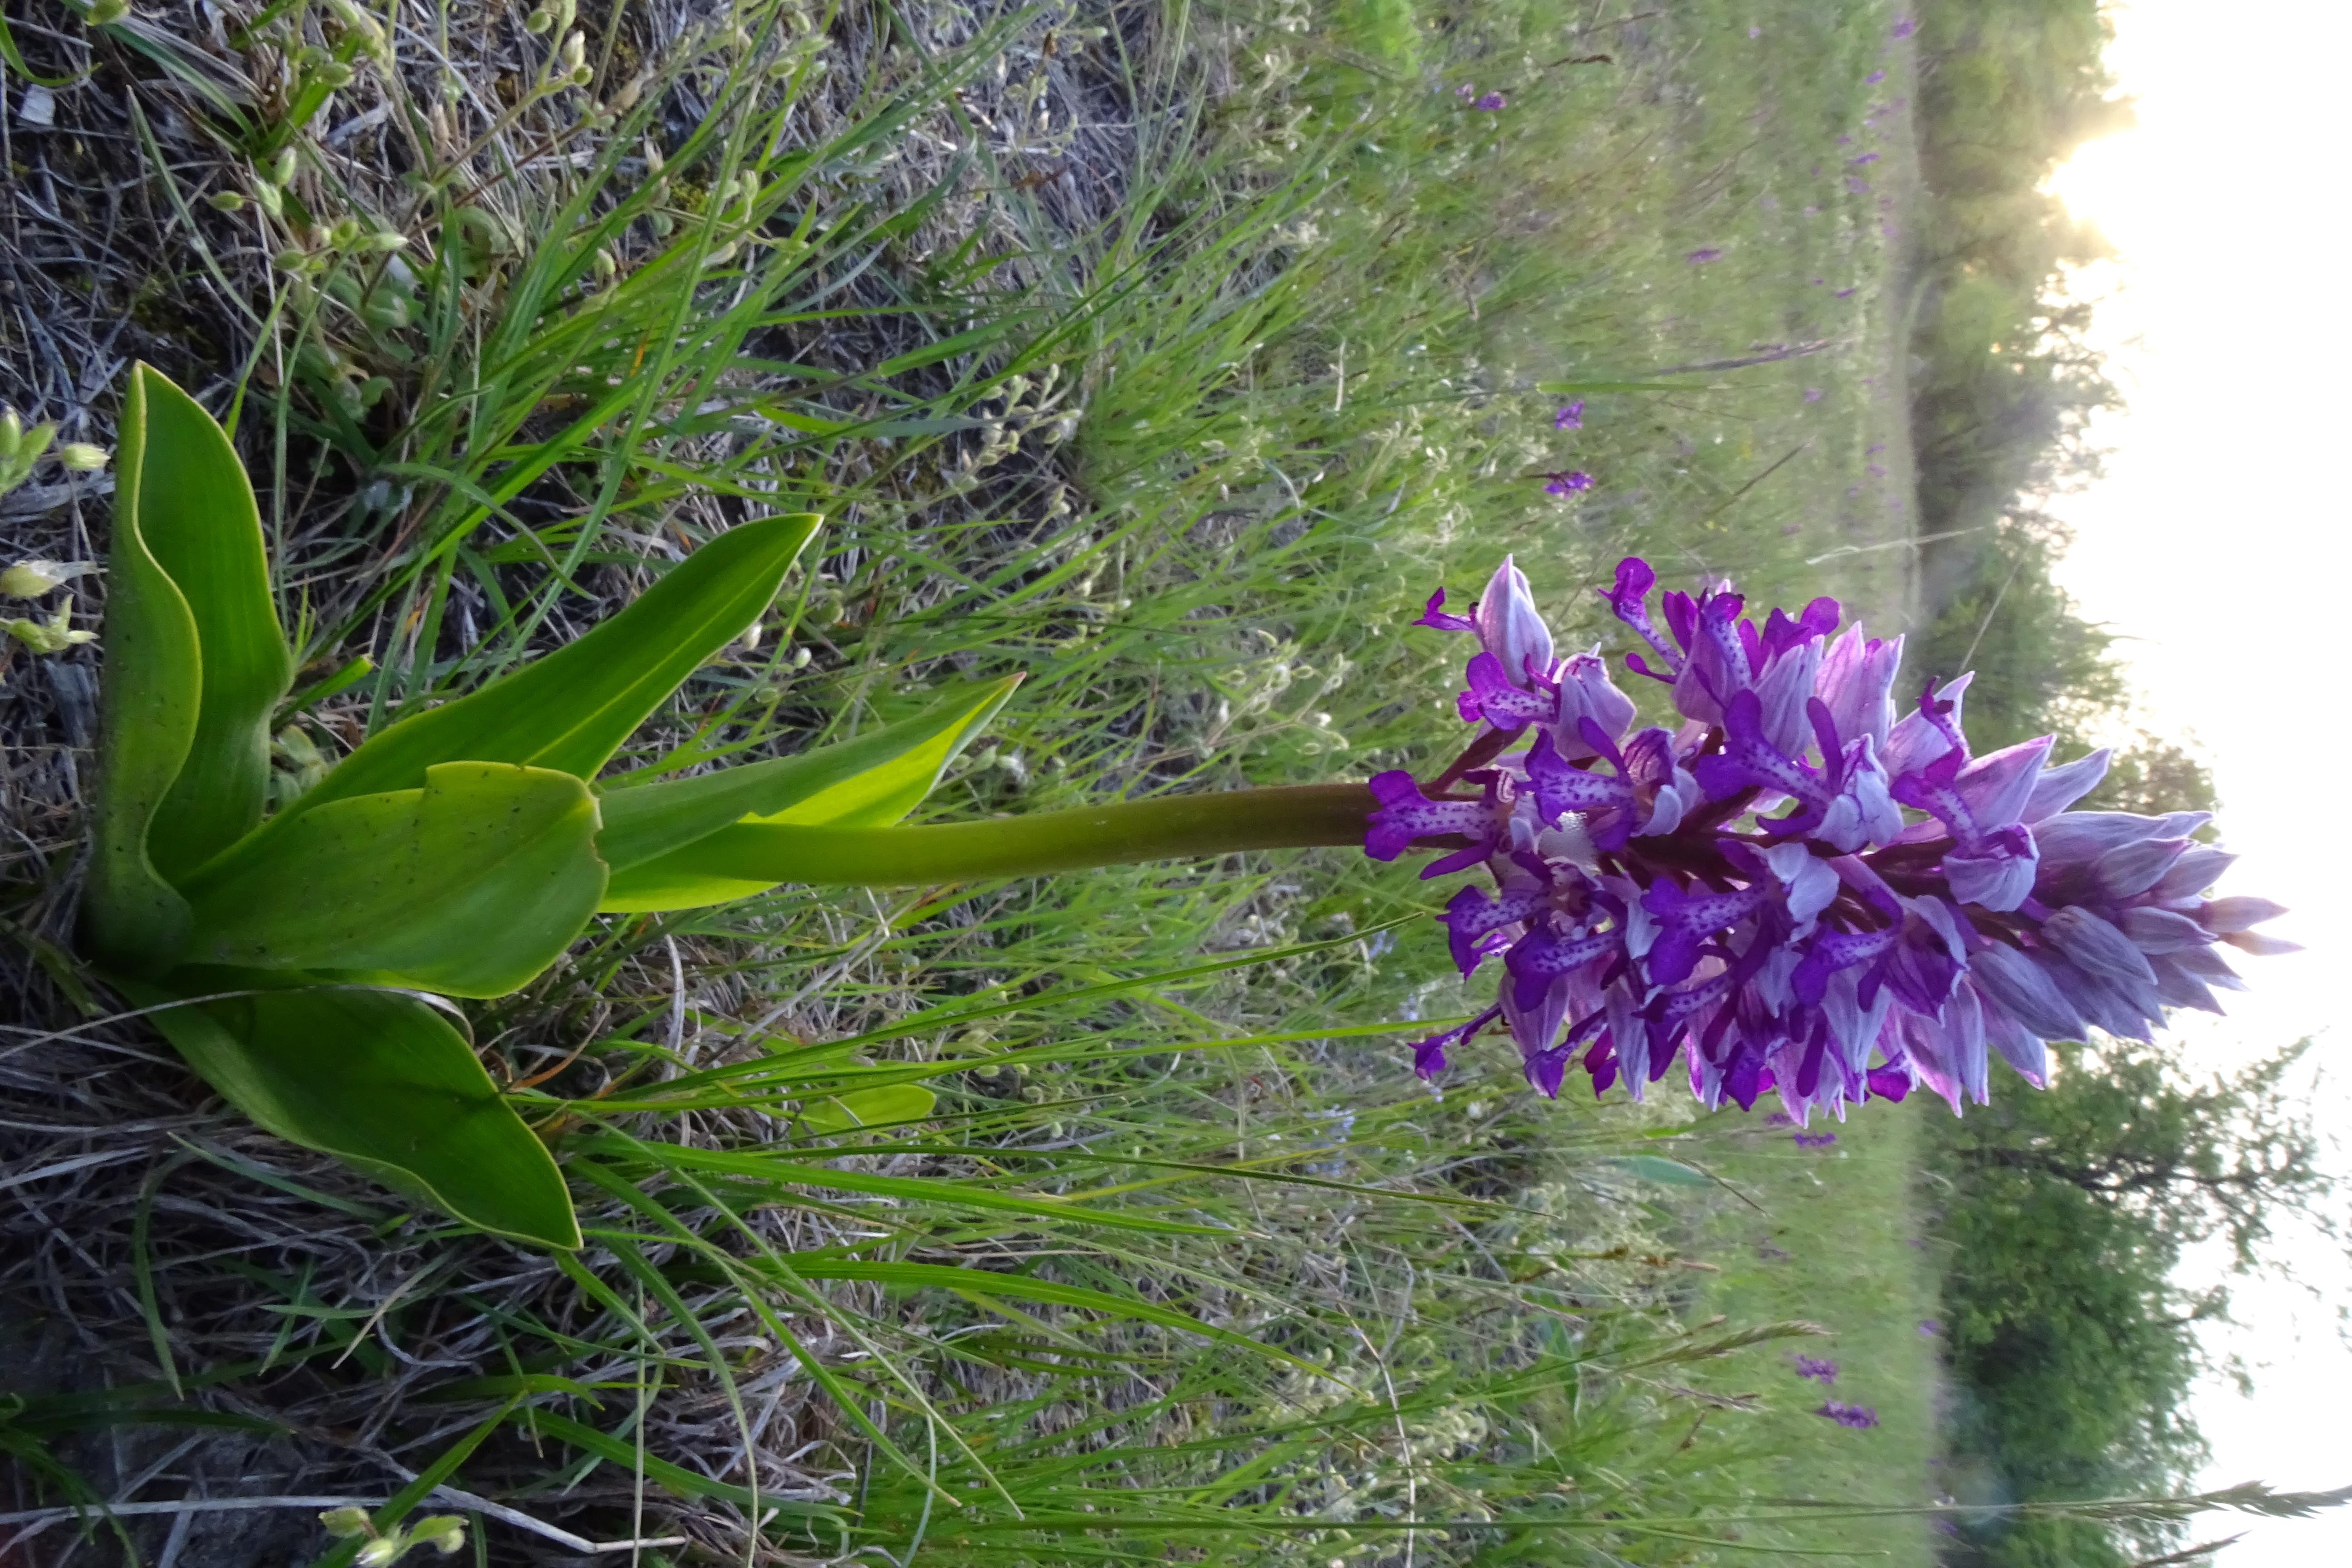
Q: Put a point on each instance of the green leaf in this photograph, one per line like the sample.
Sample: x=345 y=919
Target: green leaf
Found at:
x=470 y=885
x=1657 y=1168
x=132 y=919
x=871 y=781
x=195 y=509
x=380 y=1080
x=571 y=710
x=888 y=1104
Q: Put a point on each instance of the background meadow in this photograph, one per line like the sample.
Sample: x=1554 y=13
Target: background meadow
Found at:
x=1174 y=354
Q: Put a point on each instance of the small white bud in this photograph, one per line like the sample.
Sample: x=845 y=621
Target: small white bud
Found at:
x=81 y=457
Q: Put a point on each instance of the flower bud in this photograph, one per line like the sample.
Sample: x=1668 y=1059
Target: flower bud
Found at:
x=266 y=196
x=226 y=202
x=573 y=53
x=445 y=1533
x=282 y=172
x=345 y=1523
x=382 y=1551
x=104 y=13
x=334 y=73
x=54 y=636
x=81 y=457
x=538 y=21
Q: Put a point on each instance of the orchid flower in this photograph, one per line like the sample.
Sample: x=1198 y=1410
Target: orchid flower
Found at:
x=1798 y=891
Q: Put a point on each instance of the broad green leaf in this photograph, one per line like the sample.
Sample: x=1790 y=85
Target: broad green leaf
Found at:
x=470 y=885
x=882 y=776
x=571 y=710
x=381 y=1081
x=882 y=795
x=132 y=919
x=195 y=509
x=890 y=1104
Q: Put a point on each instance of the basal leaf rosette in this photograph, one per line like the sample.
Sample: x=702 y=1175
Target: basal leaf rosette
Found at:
x=297 y=959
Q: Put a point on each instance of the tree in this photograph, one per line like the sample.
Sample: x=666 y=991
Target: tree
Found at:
x=2072 y=1345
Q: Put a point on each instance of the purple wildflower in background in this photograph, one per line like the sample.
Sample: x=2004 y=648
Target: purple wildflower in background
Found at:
x=1490 y=101
x=1570 y=417
x=1866 y=157
x=1903 y=28
x=1567 y=482
x=1812 y=394
x=1873 y=79
x=1779 y=1119
x=1755 y=32
x=1704 y=255
x=1845 y=293
x=1815 y=1370
x=1804 y=888
x=1813 y=1140
x=1855 y=1415
x=1931 y=1327
x=1856 y=185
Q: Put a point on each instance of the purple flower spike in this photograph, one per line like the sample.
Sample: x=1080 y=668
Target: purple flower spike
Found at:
x=1815 y=1368
x=1794 y=892
x=1491 y=101
x=1701 y=257
x=1570 y=417
x=1873 y=79
x=1567 y=482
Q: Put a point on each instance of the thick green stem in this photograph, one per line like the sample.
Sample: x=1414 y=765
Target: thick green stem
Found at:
x=1174 y=827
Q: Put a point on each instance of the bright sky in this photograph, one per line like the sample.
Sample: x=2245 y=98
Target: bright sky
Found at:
x=2218 y=544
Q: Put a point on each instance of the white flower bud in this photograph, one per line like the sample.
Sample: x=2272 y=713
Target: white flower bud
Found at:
x=81 y=457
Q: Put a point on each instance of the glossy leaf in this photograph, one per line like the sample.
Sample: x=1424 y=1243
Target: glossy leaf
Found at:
x=381 y=1081
x=132 y=919
x=195 y=509
x=873 y=780
x=571 y=710
x=470 y=885
x=883 y=1106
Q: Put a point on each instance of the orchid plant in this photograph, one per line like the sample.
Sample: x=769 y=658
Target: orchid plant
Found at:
x=1794 y=890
